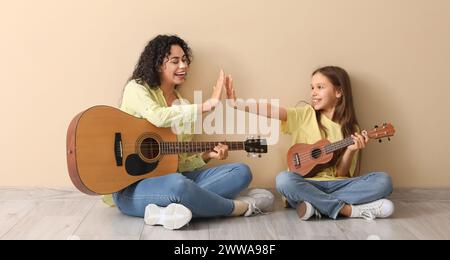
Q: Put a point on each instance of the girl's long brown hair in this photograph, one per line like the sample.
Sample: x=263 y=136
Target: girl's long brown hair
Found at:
x=344 y=112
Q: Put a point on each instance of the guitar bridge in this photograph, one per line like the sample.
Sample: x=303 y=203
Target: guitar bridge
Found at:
x=118 y=149
x=296 y=158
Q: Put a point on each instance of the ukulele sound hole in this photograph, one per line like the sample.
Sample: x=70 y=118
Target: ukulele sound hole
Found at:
x=316 y=153
x=150 y=148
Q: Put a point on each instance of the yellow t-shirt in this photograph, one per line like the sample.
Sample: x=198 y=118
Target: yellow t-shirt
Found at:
x=302 y=125
x=141 y=101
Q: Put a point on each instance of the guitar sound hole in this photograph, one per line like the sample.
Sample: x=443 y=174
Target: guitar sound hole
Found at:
x=150 y=148
x=316 y=153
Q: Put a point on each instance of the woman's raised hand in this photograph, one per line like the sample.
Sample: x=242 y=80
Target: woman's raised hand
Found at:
x=216 y=96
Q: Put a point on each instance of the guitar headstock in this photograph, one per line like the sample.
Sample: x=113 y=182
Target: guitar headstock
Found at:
x=255 y=147
x=386 y=130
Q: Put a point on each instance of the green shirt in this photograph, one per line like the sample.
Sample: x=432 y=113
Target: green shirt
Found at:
x=142 y=101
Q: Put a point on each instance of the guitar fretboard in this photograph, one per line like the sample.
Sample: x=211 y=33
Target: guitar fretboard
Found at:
x=197 y=147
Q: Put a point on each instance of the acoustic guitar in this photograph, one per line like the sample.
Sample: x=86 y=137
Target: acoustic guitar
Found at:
x=108 y=150
x=309 y=159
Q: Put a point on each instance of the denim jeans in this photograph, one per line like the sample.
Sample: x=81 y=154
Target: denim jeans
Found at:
x=207 y=193
x=329 y=197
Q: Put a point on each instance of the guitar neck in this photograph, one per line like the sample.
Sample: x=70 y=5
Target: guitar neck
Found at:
x=330 y=148
x=197 y=147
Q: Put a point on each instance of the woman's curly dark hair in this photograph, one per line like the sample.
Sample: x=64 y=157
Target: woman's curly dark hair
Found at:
x=148 y=67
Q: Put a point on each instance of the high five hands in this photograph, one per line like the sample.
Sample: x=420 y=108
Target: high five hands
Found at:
x=223 y=82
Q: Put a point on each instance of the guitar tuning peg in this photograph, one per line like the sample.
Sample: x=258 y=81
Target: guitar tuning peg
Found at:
x=380 y=141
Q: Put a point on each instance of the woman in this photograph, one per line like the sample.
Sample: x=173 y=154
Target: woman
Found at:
x=172 y=200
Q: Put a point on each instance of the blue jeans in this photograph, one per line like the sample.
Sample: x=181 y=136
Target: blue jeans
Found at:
x=207 y=193
x=329 y=197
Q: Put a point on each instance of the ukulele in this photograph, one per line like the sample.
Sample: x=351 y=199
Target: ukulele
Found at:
x=308 y=159
x=108 y=150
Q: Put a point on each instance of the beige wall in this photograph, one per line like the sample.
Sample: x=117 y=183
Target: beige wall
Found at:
x=60 y=57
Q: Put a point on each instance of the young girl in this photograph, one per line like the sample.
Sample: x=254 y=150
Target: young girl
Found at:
x=173 y=199
x=333 y=191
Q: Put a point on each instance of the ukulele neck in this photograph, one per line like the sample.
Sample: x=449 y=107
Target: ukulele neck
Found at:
x=330 y=148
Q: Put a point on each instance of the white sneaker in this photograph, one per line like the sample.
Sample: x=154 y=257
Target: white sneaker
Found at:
x=378 y=209
x=174 y=216
x=306 y=210
x=259 y=201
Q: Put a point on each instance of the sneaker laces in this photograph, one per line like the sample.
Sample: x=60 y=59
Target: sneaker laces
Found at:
x=370 y=213
x=252 y=208
x=255 y=210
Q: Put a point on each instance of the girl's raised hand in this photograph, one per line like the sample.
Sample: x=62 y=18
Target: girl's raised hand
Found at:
x=231 y=93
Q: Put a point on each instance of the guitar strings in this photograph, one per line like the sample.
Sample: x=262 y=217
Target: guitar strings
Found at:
x=305 y=156
x=152 y=147
x=196 y=146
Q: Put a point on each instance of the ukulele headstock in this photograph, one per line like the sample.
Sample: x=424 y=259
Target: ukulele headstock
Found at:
x=255 y=147
x=385 y=131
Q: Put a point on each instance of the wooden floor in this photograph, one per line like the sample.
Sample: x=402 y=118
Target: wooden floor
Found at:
x=67 y=214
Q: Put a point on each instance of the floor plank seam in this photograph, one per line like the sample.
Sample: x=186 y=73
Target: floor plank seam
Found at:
x=18 y=221
x=84 y=218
